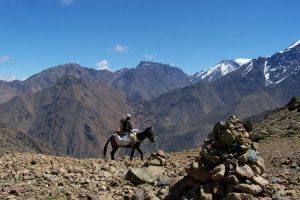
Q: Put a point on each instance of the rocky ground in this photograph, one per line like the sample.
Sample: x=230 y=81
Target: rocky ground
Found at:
x=36 y=176
x=280 y=147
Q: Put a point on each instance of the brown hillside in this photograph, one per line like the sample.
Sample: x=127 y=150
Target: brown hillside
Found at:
x=74 y=117
x=16 y=141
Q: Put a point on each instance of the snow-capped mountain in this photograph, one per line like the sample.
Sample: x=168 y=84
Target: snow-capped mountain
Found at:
x=222 y=68
x=277 y=67
x=283 y=64
x=263 y=83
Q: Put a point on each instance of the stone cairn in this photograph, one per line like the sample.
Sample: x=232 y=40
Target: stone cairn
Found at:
x=157 y=159
x=228 y=167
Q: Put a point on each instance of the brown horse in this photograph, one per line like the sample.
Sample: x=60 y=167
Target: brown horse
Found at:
x=147 y=133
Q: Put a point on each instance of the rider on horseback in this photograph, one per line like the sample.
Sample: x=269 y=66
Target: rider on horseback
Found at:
x=126 y=128
x=126 y=125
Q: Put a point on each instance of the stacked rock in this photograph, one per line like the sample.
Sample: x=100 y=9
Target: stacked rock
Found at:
x=228 y=166
x=157 y=159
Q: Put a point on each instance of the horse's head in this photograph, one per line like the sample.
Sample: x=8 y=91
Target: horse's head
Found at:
x=149 y=134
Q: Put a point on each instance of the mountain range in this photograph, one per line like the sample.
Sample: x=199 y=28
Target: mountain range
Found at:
x=74 y=110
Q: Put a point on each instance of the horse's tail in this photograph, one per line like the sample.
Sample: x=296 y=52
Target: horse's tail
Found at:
x=105 y=147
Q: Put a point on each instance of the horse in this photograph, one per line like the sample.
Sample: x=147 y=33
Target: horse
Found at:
x=141 y=136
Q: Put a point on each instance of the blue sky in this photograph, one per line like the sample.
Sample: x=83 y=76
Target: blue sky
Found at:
x=190 y=34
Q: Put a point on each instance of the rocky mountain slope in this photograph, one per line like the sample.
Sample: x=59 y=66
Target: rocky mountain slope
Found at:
x=17 y=141
x=73 y=116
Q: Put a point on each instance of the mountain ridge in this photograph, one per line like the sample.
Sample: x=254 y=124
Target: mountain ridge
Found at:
x=181 y=116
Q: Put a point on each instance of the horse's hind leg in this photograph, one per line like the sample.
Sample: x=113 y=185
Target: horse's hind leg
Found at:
x=132 y=153
x=112 y=153
x=140 y=151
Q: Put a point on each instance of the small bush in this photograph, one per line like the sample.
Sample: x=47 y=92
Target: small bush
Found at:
x=258 y=137
x=248 y=125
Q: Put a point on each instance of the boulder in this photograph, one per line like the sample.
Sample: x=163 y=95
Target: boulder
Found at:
x=244 y=171
x=256 y=169
x=199 y=173
x=244 y=157
x=260 y=181
x=248 y=188
x=226 y=137
x=218 y=172
x=260 y=162
x=239 y=196
x=144 y=175
x=252 y=155
x=211 y=158
x=231 y=179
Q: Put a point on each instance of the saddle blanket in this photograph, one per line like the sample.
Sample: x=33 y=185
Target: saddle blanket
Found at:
x=126 y=140
x=122 y=141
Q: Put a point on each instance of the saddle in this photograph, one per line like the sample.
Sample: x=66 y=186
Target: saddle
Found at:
x=125 y=139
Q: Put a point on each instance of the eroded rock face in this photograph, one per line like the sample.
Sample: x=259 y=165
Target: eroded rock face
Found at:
x=228 y=166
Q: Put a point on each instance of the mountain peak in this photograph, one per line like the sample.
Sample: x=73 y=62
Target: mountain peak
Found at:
x=156 y=66
x=144 y=64
x=292 y=46
x=222 y=68
x=68 y=66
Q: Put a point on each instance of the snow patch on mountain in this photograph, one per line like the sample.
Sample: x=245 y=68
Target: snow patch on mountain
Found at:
x=248 y=68
x=291 y=47
x=275 y=74
x=224 y=67
x=267 y=73
x=242 y=61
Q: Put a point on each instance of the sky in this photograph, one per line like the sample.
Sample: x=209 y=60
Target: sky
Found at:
x=111 y=34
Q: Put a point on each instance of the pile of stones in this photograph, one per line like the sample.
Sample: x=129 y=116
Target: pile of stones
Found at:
x=228 y=167
x=158 y=158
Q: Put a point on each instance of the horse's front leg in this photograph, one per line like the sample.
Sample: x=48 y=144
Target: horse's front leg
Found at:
x=132 y=153
x=142 y=155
